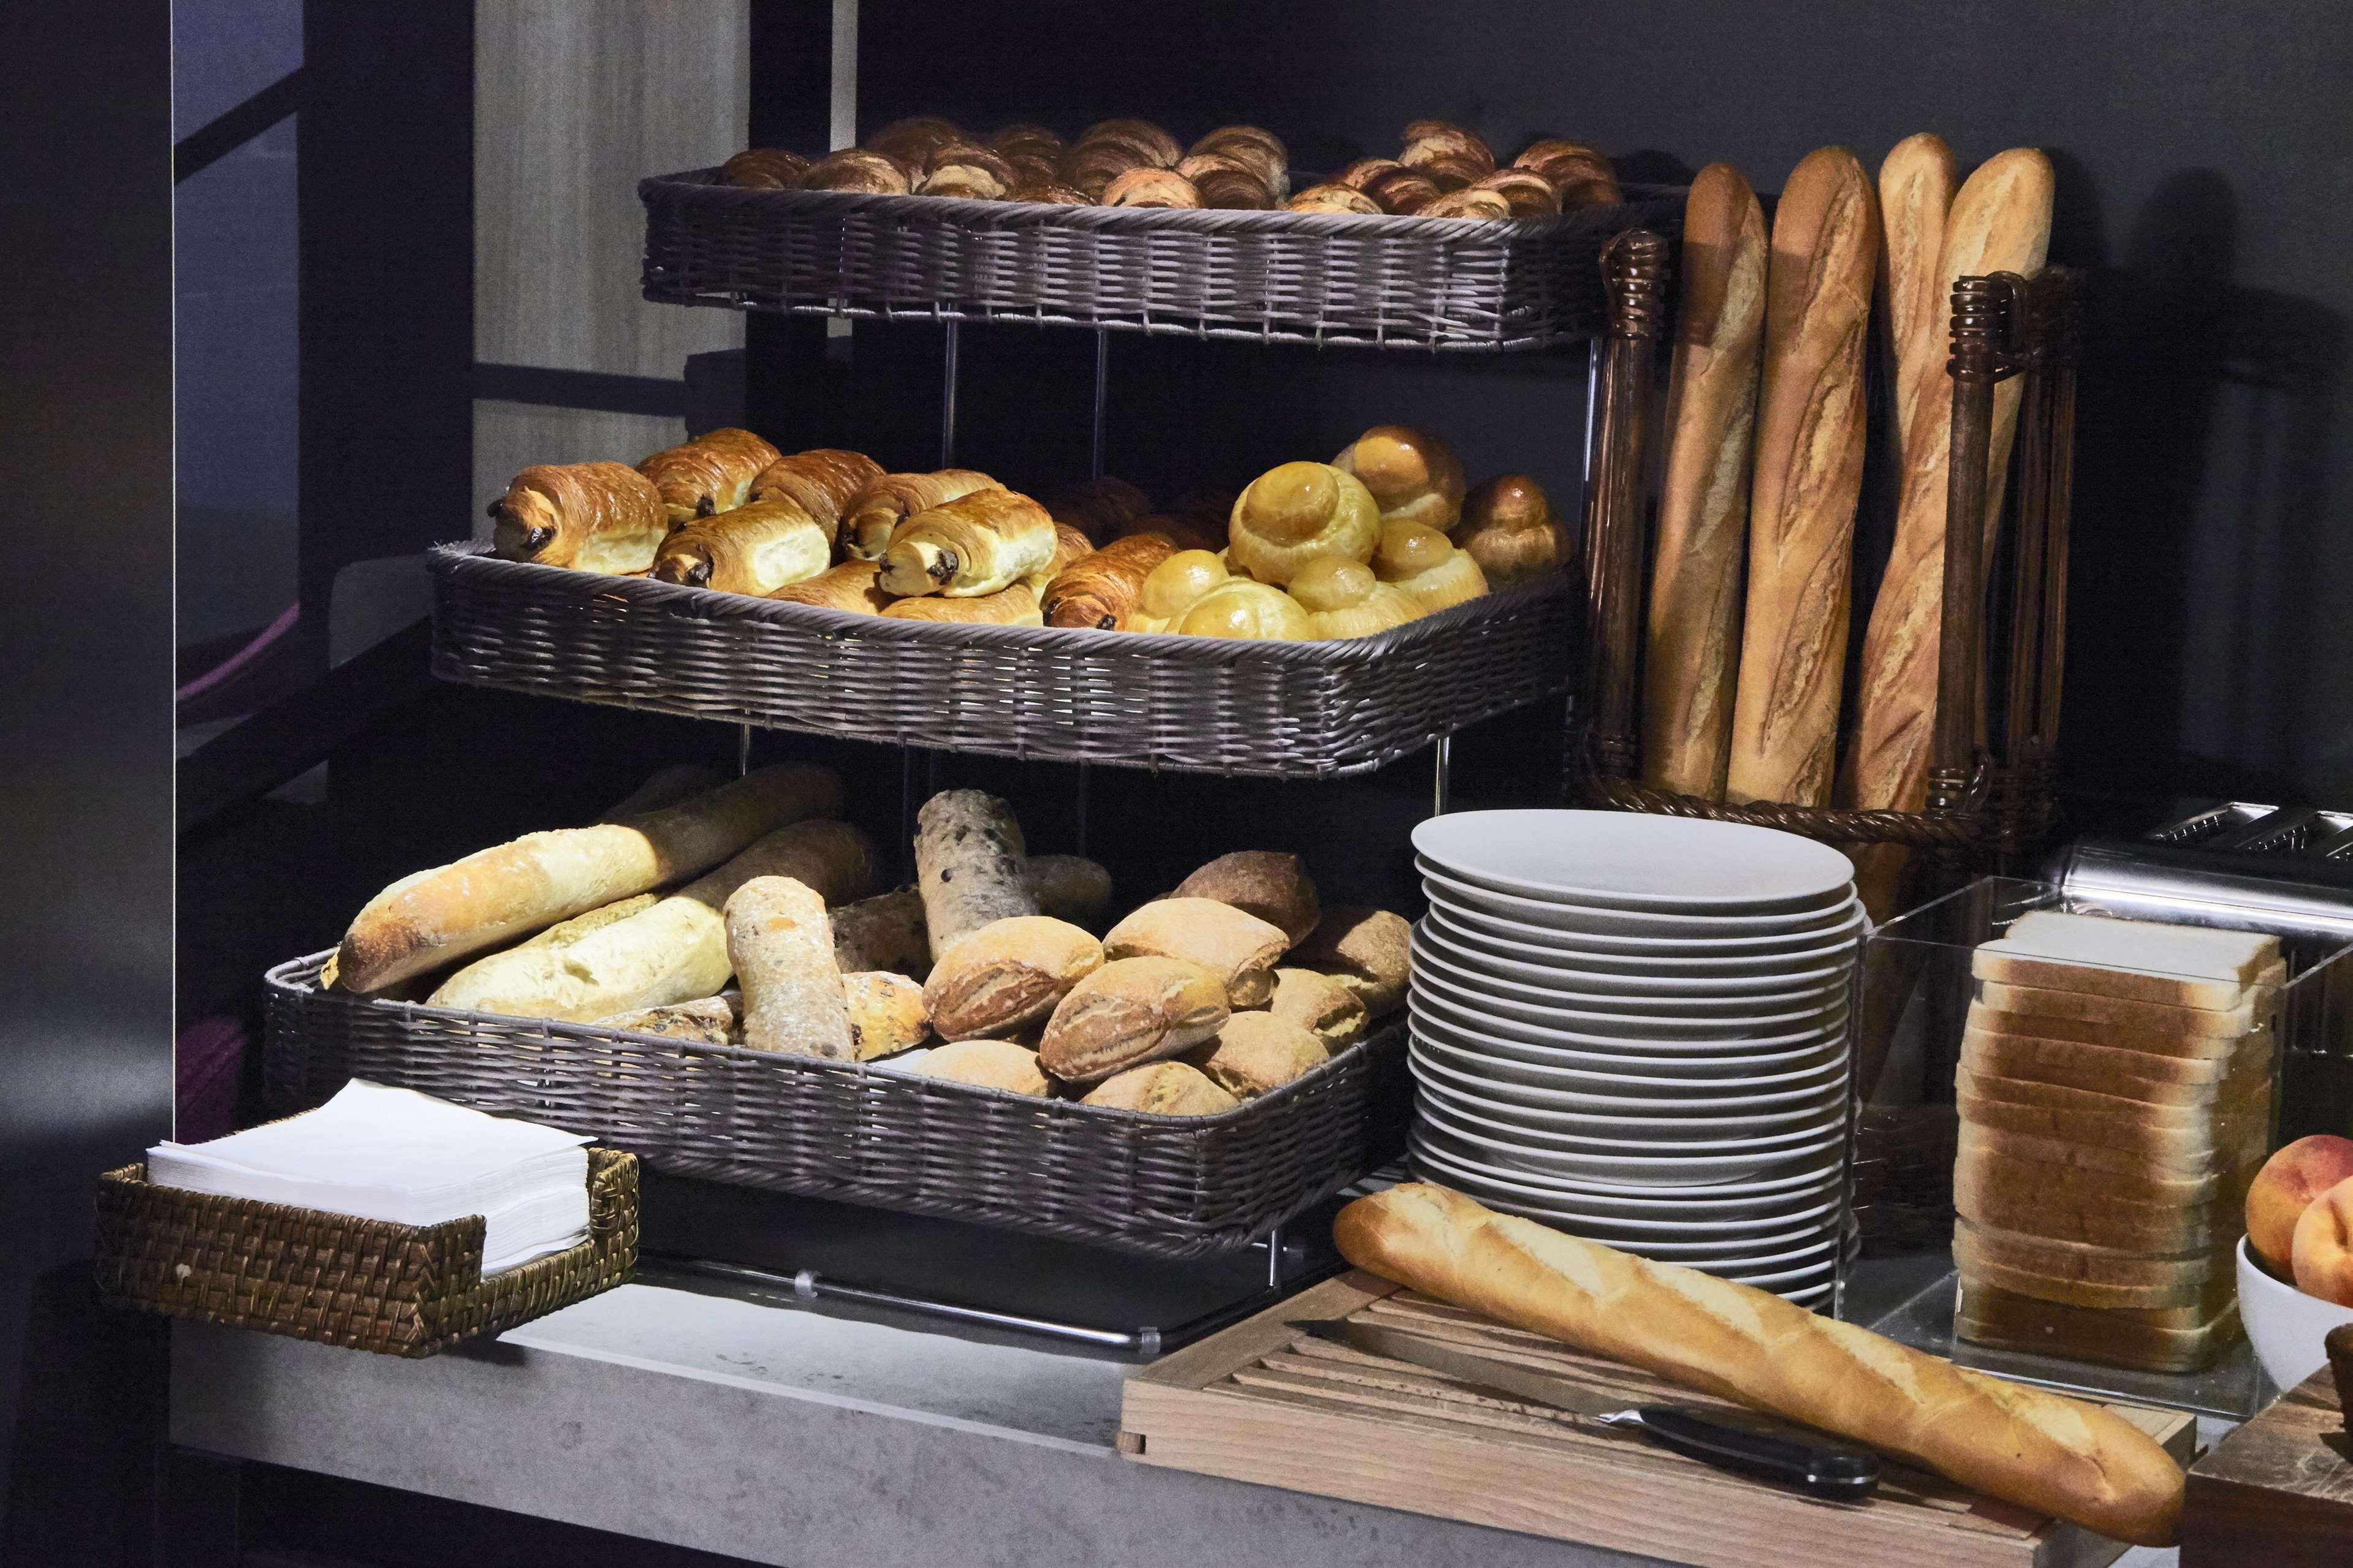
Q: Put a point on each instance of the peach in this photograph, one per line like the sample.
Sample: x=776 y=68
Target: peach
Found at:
x=2324 y=1246
x=2285 y=1187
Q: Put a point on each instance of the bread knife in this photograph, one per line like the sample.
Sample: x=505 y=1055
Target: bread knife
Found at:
x=1800 y=1457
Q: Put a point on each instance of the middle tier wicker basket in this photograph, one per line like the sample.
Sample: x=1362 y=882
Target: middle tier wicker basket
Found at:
x=1293 y=710
x=1170 y=1186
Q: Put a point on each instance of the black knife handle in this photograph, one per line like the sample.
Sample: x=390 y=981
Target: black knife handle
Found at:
x=1809 y=1462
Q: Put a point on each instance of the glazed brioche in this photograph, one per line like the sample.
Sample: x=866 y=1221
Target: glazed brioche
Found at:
x=1129 y=1012
x=591 y=517
x=2039 y=1450
x=1296 y=511
x=754 y=548
x=875 y=512
x=1509 y=531
x=711 y=473
x=1423 y=564
x=1240 y=608
x=983 y=542
x=1343 y=598
x=1414 y=477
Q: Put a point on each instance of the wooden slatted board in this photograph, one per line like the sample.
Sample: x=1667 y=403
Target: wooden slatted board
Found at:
x=1259 y=1402
x=2278 y=1491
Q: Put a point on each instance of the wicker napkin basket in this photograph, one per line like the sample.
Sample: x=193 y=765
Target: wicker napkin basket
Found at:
x=362 y=1284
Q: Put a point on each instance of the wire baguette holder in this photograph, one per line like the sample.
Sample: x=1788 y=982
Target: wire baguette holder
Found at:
x=1169 y=1186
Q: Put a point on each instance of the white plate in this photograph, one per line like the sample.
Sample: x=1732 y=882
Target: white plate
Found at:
x=1787 y=1002
x=1628 y=1096
x=1793 y=979
x=1742 y=1195
x=1453 y=892
x=1729 y=1051
x=1482 y=997
x=1654 y=1167
x=1547 y=1131
x=1635 y=860
x=1606 y=1225
x=1673 y=944
x=1502 y=1067
x=1661 y=965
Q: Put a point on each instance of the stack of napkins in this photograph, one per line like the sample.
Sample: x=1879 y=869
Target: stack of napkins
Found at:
x=395 y=1155
x=2114 y=1094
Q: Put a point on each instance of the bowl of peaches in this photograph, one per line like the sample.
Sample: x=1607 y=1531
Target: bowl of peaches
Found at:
x=2296 y=1263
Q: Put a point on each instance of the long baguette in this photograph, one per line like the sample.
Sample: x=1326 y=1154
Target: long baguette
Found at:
x=1915 y=191
x=2041 y=1451
x=425 y=920
x=1695 y=579
x=1810 y=429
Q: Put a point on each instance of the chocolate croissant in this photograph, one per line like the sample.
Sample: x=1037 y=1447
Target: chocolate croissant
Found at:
x=875 y=513
x=1099 y=507
x=851 y=586
x=1102 y=590
x=592 y=517
x=755 y=549
x=765 y=169
x=1010 y=606
x=823 y=480
x=711 y=473
x=978 y=544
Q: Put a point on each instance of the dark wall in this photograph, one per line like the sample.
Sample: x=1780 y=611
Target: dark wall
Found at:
x=2203 y=150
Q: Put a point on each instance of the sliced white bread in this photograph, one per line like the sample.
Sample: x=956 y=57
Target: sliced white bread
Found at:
x=2141 y=961
x=2108 y=1069
x=2132 y=1025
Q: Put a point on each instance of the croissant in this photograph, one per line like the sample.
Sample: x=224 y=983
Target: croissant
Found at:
x=851 y=587
x=1151 y=188
x=1332 y=199
x=1013 y=606
x=1092 y=166
x=754 y=548
x=1527 y=192
x=713 y=472
x=1157 y=146
x=912 y=140
x=1583 y=177
x=1364 y=171
x=1509 y=529
x=592 y=517
x=823 y=480
x=961 y=169
x=1022 y=139
x=976 y=544
x=1260 y=150
x=1401 y=190
x=1471 y=202
x=875 y=512
x=1105 y=589
x=1099 y=507
x=1413 y=475
x=1344 y=599
x=1225 y=182
x=1052 y=192
x=1443 y=143
x=765 y=169
x=1242 y=609
x=1296 y=511
x=1425 y=564
x=854 y=169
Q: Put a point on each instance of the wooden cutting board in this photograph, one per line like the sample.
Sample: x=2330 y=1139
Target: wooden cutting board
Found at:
x=1259 y=1402
x=2278 y=1491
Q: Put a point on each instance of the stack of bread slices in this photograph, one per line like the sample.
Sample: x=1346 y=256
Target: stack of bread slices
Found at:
x=2115 y=1090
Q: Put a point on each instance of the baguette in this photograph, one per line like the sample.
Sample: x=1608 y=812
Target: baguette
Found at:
x=1808 y=476
x=426 y=921
x=1711 y=421
x=968 y=866
x=1917 y=184
x=667 y=787
x=2042 y=1451
x=782 y=952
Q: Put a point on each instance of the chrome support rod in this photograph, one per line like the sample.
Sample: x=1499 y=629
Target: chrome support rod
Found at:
x=1102 y=399
x=1442 y=776
x=743 y=750
x=949 y=400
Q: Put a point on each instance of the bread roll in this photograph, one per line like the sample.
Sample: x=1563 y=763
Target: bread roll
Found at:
x=1164 y=1088
x=1808 y=474
x=1151 y=188
x=988 y=1064
x=1333 y=198
x=1916 y=183
x=2041 y=1451
x=886 y=932
x=854 y=587
x=1509 y=531
x=874 y=174
x=667 y=787
x=1240 y=608
x=425 y=920
x=968 y=864
x=1425 y=566
x=983 y=542
x=1013 y=606
x=1007 y=974
x=1239 y=949
x=1344 y=599
x=754 y=548
x=1689 y=659
x=822 y=481
x=1266 y=883
x=1069 y=887
x=875 y=512
x=1129 y=1012
x=1103 y=589
x=711 y=473
x=1365 y=949
x=1258 y=1053
x=591 y=517
x=1320 y=1004
x=887 y=1013
x=706 y=1021
x=782 y=950
x=1413 y=476
x=1295 y=512
x=765 y=169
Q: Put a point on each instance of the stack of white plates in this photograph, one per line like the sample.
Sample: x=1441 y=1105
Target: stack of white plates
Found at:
x=1635 y=1028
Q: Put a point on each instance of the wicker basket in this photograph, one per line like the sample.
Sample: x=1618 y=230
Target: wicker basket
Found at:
x=362 y=1284
x=1170 y=1186
x=1261 y=277
x=1197 y=704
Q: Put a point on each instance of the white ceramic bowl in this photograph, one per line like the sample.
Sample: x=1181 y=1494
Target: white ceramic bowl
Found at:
x=1452 y=892
x=1559 y=972
x=2285 y=1325
x=1730 y=1051
x=1687 y=940
x=1664 y=965
x=1634 y=860
x=1741 y=1019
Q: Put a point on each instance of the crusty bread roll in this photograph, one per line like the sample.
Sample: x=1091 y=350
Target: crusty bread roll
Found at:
x=1240 y=608
x=1164 y=1088
x=1809 y=475
x=425 y=920
x=983 y=542
x=854 y=586
x=1296 y=511
x=1697 y=570
x=1013 y=606
x=1007 y=974
x=1414 y=477
x=1258 y=1053
x=1239 y=949
x=782 y=950
x=706 y=1021
x=667 y=786
x=887 y=1013
x=1129 y=1012
x=591 y=517
x=884 y=933
x=875 y=512
x=1343 y=598
x=1509 y=531
x=1267 y=883
x=822 y=481
x=1365 y=949
x=755 y=549
x=968 y=864
x=988 y=1064
x=1320 y=1004
x=1103 y=589
x=1423 y=564
x=1916 y=183
x=2042 y=1451
x=711 y=473
x=765 y=169
x=1069 y=887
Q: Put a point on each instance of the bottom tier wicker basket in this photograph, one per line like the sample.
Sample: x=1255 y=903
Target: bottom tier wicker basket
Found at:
x=1171 y=1186
x=364 y=1284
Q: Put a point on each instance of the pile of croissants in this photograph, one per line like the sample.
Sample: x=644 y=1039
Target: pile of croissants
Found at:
x=1383 y=533
x=1441 y=170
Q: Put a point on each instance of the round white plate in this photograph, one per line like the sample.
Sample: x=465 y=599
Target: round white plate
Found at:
x=1505 y=1066
x=1672 y=944
x=1573 y=1132
x=1567 y=1214
x=1796 y=979
x=1843 y=952
x=1634 y=860
x=1652 y=1167
x=1740 y=1196
x=1725 y=1216
x=1725 y=1051
x=1629 y=1096
x=1767 y=1017
x=1452 y=894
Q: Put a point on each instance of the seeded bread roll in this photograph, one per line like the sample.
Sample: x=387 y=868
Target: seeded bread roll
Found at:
x=1007 y=974
x=1069 y=887
x=990 y=1064
x=1320 y=1004
x=1164 y=1088
x=884 y=933
x=1130 y=1012
x=1364 y=949
x=968 y=863
x=782 y=950
x=886 y=1012
x=1258 y=1053
x=1264 y=882
x=706 y=1021
x=1239 y=949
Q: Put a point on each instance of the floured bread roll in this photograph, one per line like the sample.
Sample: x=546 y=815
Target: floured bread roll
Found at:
x=1426 y=566
x=1239 y=949
x=1295 y=512
x=1258 y=1053
x=1164 y=1089
x=1413 y=475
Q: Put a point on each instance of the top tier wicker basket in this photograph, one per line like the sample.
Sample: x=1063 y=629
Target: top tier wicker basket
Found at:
x=1258 y=277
